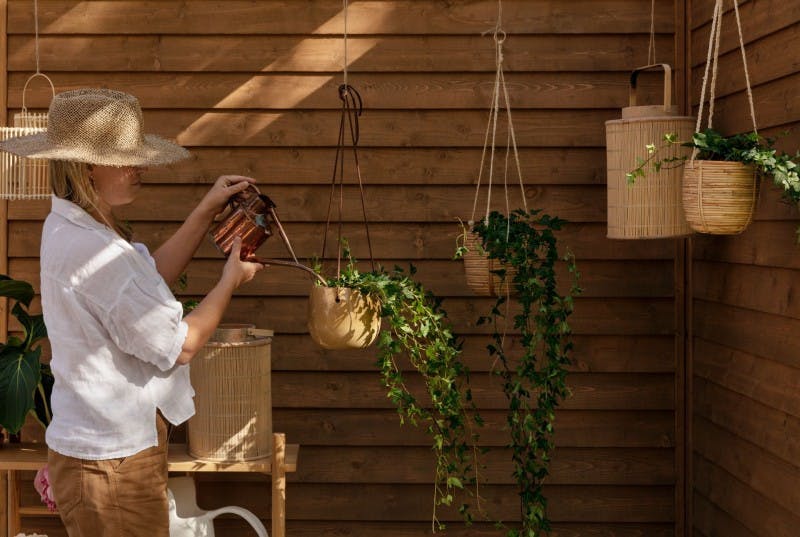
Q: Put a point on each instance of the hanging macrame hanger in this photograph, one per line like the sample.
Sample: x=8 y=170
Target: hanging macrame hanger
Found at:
x=499 y=36
x=36 y=52
x=352 y=107
x=712 y=63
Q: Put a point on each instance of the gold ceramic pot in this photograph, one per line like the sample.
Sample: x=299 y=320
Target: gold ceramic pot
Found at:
x=342 y=318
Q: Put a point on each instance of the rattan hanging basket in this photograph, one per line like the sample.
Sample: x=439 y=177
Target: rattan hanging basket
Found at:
x=23 y=178
x=719 y=197
x=650 y=208
x=231 y=377
x=480 y=269
x=342 y=318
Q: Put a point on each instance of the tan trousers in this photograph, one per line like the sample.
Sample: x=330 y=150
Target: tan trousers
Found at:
x=125 y=497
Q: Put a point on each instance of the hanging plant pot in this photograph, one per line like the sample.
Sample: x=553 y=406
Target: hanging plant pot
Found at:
x=479 y=269
x=342 y=318
x=719 y=196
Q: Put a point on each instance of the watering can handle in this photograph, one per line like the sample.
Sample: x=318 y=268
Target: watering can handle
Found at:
x=667 y=83
x=251 y=519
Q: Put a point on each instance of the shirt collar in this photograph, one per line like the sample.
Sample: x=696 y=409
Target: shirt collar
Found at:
x=75 y=214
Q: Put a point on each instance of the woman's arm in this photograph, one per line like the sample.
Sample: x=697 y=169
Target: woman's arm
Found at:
x=205 y=318
x=173 y=256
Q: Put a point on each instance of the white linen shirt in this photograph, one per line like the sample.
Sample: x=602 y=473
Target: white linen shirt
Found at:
x=116 y=332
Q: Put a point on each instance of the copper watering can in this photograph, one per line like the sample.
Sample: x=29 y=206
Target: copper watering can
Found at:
x=250 y=215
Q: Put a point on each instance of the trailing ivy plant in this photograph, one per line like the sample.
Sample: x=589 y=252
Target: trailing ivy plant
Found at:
x=25 y=382
x=535 y=381
x=416 y=327
x=747 y=148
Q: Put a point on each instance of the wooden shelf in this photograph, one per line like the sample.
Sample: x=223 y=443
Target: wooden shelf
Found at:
x=15 y=458
x=34 y=456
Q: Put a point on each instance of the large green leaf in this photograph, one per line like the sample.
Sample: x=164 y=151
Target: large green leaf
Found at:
x=19 y=376
x=33 y=324
x=42 y=408
x=18 y=290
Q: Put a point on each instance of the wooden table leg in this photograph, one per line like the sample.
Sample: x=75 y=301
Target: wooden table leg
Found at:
x=4 y=508
x=278 y=485
x=14 y=522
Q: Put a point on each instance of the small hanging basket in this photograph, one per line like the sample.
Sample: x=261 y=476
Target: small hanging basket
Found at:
x=342 y=318
x=480 y=269
x=23 y=178
x=719 y=197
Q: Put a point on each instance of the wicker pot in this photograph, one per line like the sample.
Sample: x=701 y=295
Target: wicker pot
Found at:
x=342 y=318
x=719 y=196
x=478 y=267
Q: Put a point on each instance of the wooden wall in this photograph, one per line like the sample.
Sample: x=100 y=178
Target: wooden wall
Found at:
x=250 y=87
x=746 y=358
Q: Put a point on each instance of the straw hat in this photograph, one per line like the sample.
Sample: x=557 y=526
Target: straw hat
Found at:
x=96 y=126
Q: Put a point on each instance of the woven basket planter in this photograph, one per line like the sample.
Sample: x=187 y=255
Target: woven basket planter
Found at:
x=478 y=267
x=342 y=318
x=719 y=197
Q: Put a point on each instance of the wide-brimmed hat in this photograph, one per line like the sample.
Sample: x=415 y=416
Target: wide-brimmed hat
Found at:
x=96 y=126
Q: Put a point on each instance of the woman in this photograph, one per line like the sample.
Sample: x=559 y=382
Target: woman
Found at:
x=120 y=342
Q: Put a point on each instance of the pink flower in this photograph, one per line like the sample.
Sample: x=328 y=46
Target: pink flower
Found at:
x=42 y=485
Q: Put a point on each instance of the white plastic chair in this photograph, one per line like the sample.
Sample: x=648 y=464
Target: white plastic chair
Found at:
x=186 y=519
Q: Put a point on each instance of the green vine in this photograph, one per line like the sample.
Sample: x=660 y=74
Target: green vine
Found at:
x=535 y=382
x=747 y=148
x=416 y=327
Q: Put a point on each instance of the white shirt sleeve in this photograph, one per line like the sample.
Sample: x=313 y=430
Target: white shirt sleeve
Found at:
x=143 y=323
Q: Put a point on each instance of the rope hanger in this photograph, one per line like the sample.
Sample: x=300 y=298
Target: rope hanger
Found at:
x=352 y=108
x=499 y=36
x=38 y=72
x=712 y=63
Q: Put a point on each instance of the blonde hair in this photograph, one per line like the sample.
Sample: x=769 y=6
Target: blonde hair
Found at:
x=72 y=181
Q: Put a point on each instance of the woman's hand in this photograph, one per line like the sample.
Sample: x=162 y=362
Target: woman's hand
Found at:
x=236 y=270
x=221 y=191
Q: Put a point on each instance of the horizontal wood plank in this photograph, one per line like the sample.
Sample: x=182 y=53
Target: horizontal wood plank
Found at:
x=413 y=502
x=379 y=128
x=710 y=519
x=768 y=382
x=774 y=479
x=410 y=241
x=744 y=329
x=221 y=91
x=752 y=509
x=381 y=427
x=772 y=429
x=314 y=54
x=442 y=204
x=569 y=466
x=444 y=278
x=764 y=244
x=326 y=17
x=590 y=391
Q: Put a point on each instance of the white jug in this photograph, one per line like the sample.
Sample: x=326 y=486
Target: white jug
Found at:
x=186 y=519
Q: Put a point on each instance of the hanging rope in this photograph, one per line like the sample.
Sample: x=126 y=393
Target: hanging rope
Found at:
x=499 y=36
x=352 y=108
x=36 y=29
x=712 y=65
x=651 y=48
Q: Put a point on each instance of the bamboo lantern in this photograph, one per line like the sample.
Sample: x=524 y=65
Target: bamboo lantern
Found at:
x=231 y=377
x=652 y=207
x=24 y=178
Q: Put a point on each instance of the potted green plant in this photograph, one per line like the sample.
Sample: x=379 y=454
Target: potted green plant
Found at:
x=524 y=245
x=416 y=330
x=720 y=178
x=25 y=382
